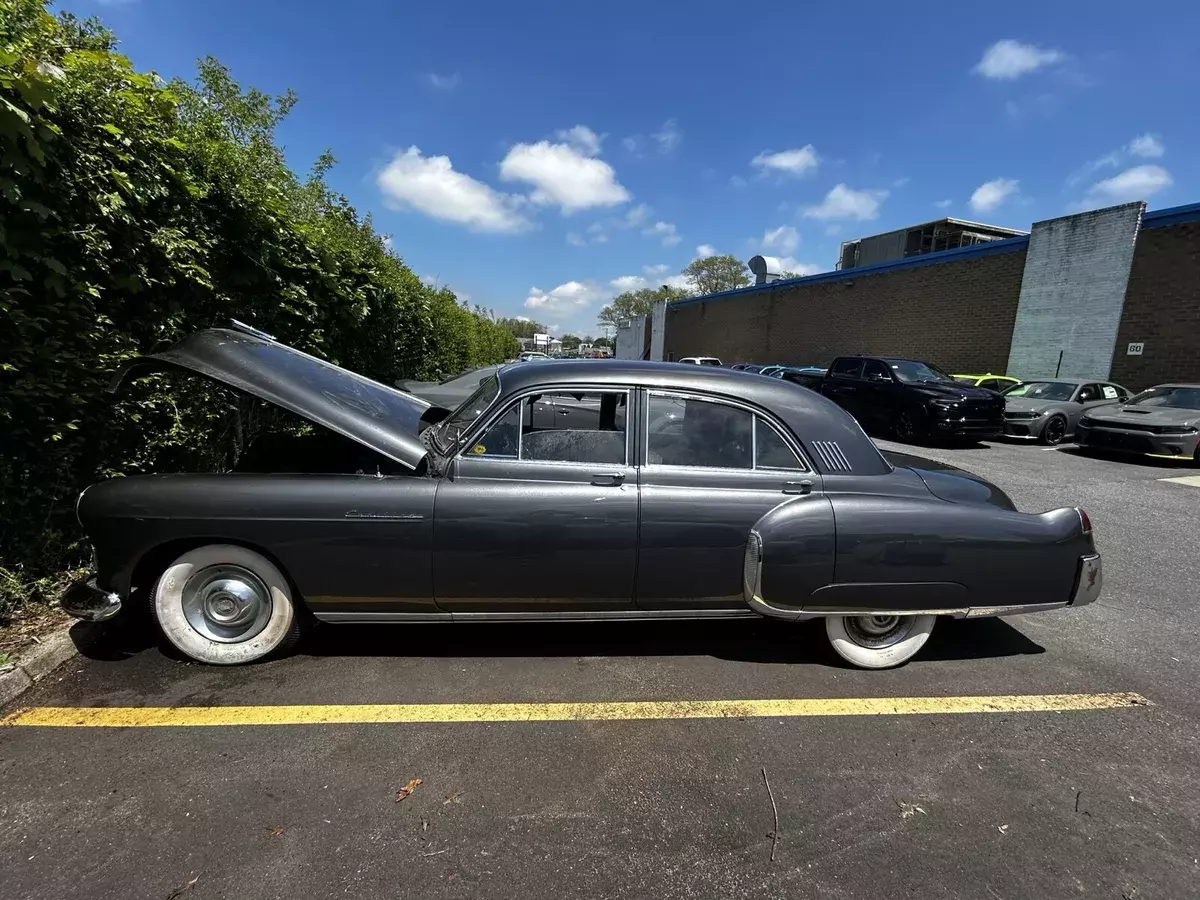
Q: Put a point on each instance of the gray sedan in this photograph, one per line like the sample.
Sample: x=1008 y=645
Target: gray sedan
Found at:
x=1164 y=420
x=1048 y=410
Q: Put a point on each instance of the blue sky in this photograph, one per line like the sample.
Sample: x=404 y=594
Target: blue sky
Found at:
x=540 y=157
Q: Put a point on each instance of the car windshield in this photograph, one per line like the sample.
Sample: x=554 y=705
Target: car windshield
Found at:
x=1043 y=390
x=965 y=379
x=1169 y=397
x=909 y=370
x=456 y=424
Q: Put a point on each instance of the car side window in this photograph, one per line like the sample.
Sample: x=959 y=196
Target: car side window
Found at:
x=1111 y=392
x=873 y=370
x=685 y=431
x=560 y=426
x=771 y=451
x=1088 y=393
x=847 y=368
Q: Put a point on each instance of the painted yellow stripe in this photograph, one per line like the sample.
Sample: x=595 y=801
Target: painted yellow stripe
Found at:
x=168 y=716
x=1193 y=480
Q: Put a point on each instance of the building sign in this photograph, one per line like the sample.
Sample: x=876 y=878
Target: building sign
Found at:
x=1135 y=348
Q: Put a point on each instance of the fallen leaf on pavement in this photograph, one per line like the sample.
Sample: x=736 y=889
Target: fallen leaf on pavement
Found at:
x=1003 y=829
x=408 y=788
x=456 y=797
x=180 y=891
x=276 y=830
x=908 y=810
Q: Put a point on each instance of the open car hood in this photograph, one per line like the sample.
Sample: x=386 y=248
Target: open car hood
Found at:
x=379 y=417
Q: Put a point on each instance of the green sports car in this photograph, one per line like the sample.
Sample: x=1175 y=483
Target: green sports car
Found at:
x=989 y=381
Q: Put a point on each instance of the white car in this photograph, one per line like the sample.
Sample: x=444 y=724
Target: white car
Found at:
x=701 y=360
x=532 y=354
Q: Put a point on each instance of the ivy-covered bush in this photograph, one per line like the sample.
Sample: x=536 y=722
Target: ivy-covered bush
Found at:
x=134 y=211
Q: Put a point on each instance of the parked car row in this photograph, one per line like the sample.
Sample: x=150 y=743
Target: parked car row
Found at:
x=911 y=399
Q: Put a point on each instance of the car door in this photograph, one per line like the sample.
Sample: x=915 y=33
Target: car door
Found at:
x=1088 y=396
x=843 y=383
x=876 y=395
x=538 y=516
x=711 y=469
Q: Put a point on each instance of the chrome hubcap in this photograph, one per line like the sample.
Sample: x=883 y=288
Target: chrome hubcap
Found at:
x=226 y=603
x=877 y=632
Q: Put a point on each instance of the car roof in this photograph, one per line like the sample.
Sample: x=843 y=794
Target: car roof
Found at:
x=1071 y=380
x=1173 y=385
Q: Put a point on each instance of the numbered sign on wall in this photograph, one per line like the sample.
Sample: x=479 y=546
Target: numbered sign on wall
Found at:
x=1135 y=348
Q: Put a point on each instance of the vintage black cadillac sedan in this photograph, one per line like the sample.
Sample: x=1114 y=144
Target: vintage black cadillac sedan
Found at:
x=564 y=491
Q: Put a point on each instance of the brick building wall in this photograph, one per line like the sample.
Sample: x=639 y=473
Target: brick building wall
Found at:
x=1162 y=309
x=957 y=313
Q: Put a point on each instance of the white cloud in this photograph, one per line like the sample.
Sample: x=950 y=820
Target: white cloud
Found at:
x=668 y=137
x=832 y=230
x=1088 y=169
x=664 y=231
x=678 y=281
x=1137 y=183
x=443 y=82
x=846 y=203
x=524 y=319
x=943 y=204
x=582 y=139
x=799 y=161
x=633 y=144
x=900 y=182
x=791 y=264
x=429 y=184
x=705 y=250
x=1148 y=145
x=656 y=269
x=429 y=280
x=563 y=176
x=992 y=193
x=388 y=242
x=637 y=215
x=784 y=240
x=575 y=239
x=624 y=283
x=565 y=299
x=1009 y=59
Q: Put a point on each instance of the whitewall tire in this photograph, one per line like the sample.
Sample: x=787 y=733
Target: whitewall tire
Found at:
x=878 y=642
x=223 y=604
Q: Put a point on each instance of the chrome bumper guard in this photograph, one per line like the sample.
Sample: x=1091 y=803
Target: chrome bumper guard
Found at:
x=1090 y=581
x=84 y=600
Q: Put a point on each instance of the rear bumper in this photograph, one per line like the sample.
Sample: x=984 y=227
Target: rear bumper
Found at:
x=1130 y=441
x=1089 y=581
x=84 y=600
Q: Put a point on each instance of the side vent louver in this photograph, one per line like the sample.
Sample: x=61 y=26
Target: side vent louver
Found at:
x=831 y=455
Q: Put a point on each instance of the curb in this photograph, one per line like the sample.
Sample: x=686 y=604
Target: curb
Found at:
x=36 y=663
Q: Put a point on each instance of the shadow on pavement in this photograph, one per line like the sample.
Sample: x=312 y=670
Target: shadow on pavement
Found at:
x=740 y=641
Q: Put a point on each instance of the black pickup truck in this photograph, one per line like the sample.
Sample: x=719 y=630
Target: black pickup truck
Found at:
x=909 y=399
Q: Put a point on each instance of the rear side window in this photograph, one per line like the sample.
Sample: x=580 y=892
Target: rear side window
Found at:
x=771 y=450
x=847 y=368
x=567 y=426
x=684 y=431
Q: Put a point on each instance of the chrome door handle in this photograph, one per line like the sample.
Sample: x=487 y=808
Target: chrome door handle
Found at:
x=612 y=479
x=797 y=487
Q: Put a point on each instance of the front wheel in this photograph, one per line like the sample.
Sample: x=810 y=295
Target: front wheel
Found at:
x=904 y=426
x=878 y=642
x=1054 y=432
x=223 y=604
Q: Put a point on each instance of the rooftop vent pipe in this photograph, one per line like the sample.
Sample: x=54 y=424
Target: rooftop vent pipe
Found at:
x=766 y=269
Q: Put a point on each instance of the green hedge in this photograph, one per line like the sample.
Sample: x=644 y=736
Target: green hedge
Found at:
x=134 y=211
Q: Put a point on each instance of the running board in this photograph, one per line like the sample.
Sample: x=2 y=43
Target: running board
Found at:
x=561 y=616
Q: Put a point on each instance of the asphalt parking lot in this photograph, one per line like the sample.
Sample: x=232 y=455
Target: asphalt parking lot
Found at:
x=996 y=803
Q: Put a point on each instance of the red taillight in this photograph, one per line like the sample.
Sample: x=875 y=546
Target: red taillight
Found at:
x=1084 y=521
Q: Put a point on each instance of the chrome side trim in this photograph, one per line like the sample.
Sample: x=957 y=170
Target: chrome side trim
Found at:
x=824 y=614
x=523 y=616
x=977 y=612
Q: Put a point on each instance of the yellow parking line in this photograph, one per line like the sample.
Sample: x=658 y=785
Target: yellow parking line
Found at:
x=166 y=716
x=1193 y=480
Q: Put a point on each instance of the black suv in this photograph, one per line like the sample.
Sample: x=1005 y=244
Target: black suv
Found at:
x=910 y=399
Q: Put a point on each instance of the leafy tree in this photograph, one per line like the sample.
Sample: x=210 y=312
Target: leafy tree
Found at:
x=636 y=303
x=603 y=342
x=133 y=212
x=522 y=328
x=716 y=273
x=571 y=341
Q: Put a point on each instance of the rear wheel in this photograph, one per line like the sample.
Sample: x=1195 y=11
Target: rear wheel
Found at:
x=223 y=604
x=1054 y=432
x=878 y=642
